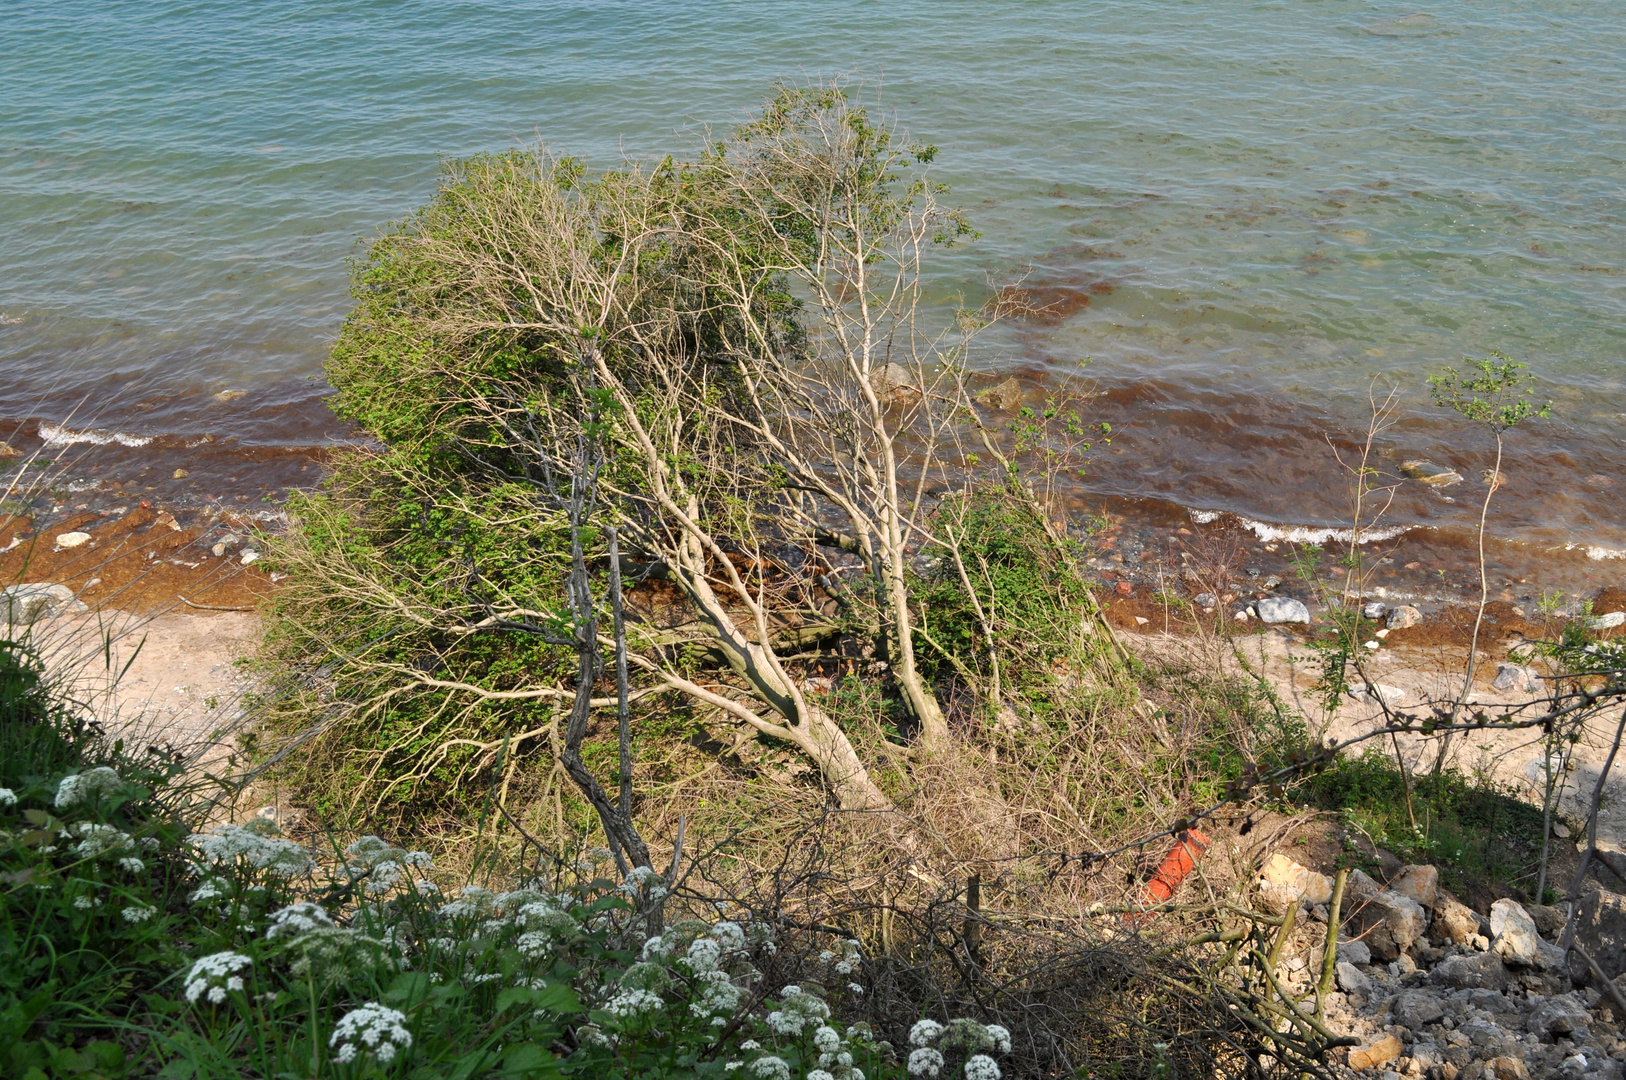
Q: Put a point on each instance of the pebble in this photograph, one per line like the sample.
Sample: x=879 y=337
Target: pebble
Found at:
x=179 y=474
x=1281 y=609
x=248 y=556
x=72 y=539
x=1374 y=610
x=1394 y=695
x=1207 y=601
x=1515 y=677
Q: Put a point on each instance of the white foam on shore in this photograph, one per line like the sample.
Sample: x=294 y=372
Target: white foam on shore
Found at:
x=1304 y=534
x=57 y=435
x=1599 y=554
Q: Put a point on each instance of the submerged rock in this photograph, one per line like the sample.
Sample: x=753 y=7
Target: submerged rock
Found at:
x=1281 y=609
x=24 y=605
x=895 y=385
x=1426 y=472
x=1005 y=397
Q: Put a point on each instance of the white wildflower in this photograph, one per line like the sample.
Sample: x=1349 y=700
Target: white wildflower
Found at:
x=212 y=889
x=642 y=881
x=101 y=840
x=384 y=877
x=632 y=1001
x=475 y=902
x=131 y=864
x=925 y=1032
x=593 y=1035
x=369 y=851
x=769 y=1067
x=87 y=787
x=844 y=968
x=797 y=1010
x=8 y=797
x=719 y=996
x=656 y=948
x=750 y=1044
x=999 y=1037
x=826 y=956
x=136 y=913
x=426 y=887
x=418 y=860
x=229 y=843
x=703 y=955
x=732 y=1065
x=84 y=903
x=856 y=989
x=534 y=944
x=729 y=935
x=925 y=1062
x=370 y=1028
x=827 y=1039
x=296 y=919
x=214 y=975
x=819 y=1074
x=981 y=1067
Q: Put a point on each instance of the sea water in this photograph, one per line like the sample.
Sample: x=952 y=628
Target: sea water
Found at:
x=1246 y=214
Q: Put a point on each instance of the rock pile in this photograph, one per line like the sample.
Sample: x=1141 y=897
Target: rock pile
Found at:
x=1434 y=989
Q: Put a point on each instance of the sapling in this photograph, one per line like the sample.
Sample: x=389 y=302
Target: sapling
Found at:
x=1495 y=393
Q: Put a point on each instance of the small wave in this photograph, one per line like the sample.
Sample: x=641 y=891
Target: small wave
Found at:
x=1303 y=534
x=1601 y=553
x=56 y=435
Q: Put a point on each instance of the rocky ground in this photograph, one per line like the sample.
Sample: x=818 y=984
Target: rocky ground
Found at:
x=1432 y=988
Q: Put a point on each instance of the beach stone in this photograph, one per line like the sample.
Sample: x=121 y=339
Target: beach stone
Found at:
x=248 y=556
x=1287 y=878
x=1355 y=952
x=1455 y=921
x=1515 y=677
x=1403 y=617
x=1379 y=1053
x=1374 y=692
x=1374 y=610
x=1206 y=600
x=1419 y=883
x=1513 y=933
x=1005 y=396
x=1281 y=609
x=1606 y=622
x=72 y=539
x=1600 y=929
x=9 y=451
x=1481 y=971
x=179 y=474
x=1351 y=980
x=24 y=605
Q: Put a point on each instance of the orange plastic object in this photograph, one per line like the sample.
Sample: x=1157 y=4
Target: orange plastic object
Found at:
x=1181 y=861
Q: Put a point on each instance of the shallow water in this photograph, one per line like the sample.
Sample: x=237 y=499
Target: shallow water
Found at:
x=1244 y=212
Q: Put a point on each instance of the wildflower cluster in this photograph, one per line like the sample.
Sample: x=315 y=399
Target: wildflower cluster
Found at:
x=216 y=975
x=88 y=787
x=932 y=1044
x=254 y=846
x=370 y=1029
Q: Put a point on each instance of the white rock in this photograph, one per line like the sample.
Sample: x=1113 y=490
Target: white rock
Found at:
x=1375 y=610
x=248 y=556
x=1513 y=933
x=72 y=539
x=1301 y=882
x=1371 y=693
x=1606 y=622
x=1281 y=609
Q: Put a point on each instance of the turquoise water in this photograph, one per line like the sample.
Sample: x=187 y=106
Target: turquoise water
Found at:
x=1275 y=202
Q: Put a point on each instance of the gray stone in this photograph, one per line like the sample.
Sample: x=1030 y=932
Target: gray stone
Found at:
x=1482 y=971
x=1415 y=1008
x=1360 y=887
x=1600 y=929
x=1356 y=952
x=1419 y=883
x=1513 y=933
x=1390 y=924
x=1350 y=979
x=1403 y=617
x=895 y=385
x=1549 y=920
x=1206 y=600
x=1281 y=609
x=1606 y=622
x=24 y=605
x=1374 y=610
x=1372 y=693
x=1515 y=677
x=1558 y=1016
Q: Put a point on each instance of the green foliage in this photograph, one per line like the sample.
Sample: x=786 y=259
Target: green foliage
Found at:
x=1478 y=835
x=1495 y=392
